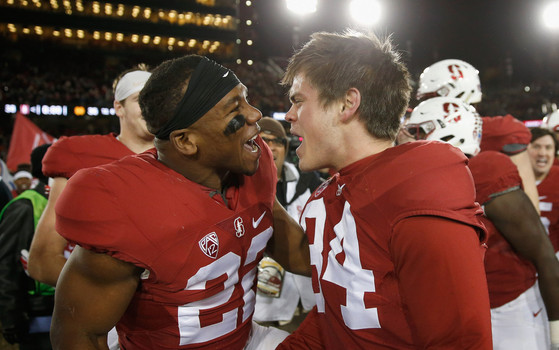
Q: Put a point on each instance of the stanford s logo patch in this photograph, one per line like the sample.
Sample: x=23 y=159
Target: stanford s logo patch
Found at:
x=239 y=227
x=210 y=245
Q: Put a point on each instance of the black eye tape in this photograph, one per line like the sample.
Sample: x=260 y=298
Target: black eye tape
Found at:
x=235 y=125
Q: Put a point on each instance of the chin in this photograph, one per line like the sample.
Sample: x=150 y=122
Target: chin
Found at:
x=305 y=167
x=251 y=171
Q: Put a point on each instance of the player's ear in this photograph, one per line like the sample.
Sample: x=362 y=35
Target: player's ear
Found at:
x=184 y=141
x=119 y=108
x=350 y=103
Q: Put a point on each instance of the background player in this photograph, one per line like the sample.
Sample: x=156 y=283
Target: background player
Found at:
x=505 y=134
x=542 y=151
x=519 y=251
x=49 y=250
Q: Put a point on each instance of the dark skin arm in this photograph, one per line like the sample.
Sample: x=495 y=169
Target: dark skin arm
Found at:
x=516 y=218
x=289 y=245
x=92 y=294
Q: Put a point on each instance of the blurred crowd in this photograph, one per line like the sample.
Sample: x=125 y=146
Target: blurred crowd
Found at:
x=39 y=73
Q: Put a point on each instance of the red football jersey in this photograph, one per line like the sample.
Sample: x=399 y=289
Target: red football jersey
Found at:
x=506 y=134
x=70 y=154
x=508 y=274
x=199 y=254
x=548 y=190
x=364 y=300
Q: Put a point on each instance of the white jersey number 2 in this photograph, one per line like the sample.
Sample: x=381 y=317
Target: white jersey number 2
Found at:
x=350 y=275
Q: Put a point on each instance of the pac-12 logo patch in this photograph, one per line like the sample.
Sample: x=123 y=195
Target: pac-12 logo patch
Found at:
x=210 y=245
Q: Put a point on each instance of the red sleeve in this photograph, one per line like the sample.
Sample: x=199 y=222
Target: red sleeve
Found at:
x=447 y=304
x=70 y=154
x=89 y=212
x=506 y=134
x=307 y=335
x=494 y=174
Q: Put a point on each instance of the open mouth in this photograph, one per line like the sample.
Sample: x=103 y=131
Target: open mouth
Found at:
x=541 y=162
x=251 y=145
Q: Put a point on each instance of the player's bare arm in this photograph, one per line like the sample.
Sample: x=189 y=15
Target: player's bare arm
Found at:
x=515 y=217
x=289 y=245
x=93 y=292
x=522 y=162
x=46 y=256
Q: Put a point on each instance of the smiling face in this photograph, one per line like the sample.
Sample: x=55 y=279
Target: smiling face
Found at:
x=542 y=155
x=225 y=135
x=315 y=124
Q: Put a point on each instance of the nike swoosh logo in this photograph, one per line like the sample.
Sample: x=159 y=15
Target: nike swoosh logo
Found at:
x=537 y=313
x=257 y=222
x=542 y=197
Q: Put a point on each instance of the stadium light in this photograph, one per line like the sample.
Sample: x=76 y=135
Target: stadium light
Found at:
x=301 y=7
x=551 y=15
x=365 y=12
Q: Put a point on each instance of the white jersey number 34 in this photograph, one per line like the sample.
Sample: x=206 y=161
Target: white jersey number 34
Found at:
x=350 y=275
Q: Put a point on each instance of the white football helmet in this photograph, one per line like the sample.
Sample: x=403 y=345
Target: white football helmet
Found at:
x=450 y=78
x=447 y=119
x=551 y=121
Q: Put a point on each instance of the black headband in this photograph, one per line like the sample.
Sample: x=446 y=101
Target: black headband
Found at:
x=209 y=83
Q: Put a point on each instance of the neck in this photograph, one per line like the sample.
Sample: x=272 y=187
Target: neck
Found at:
x=136 y=144
x=359 y=144
x=540 y=176
x=190 y=168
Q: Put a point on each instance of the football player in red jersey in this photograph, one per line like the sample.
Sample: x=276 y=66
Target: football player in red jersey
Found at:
x=505 y=134
x=551 y=122
x=49 y=250
x=542 y=151
x=396 y=244
x=168 y=241
x=519 y=251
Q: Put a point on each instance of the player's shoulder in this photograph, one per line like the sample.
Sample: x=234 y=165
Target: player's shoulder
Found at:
x=131 y=164
x=552 y=177
x=505 y=123
x=79 y=144
x=416 y=167
x=554 y=171
x=419 y=178
x=493 y=173
x=84 y=140
x=491 y=161
x=425 y=154
x=504 y=134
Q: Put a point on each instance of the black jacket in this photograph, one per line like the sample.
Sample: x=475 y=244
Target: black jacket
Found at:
x=21 y=297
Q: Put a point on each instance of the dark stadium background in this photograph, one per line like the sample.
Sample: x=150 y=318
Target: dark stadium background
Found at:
x=517 y=58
